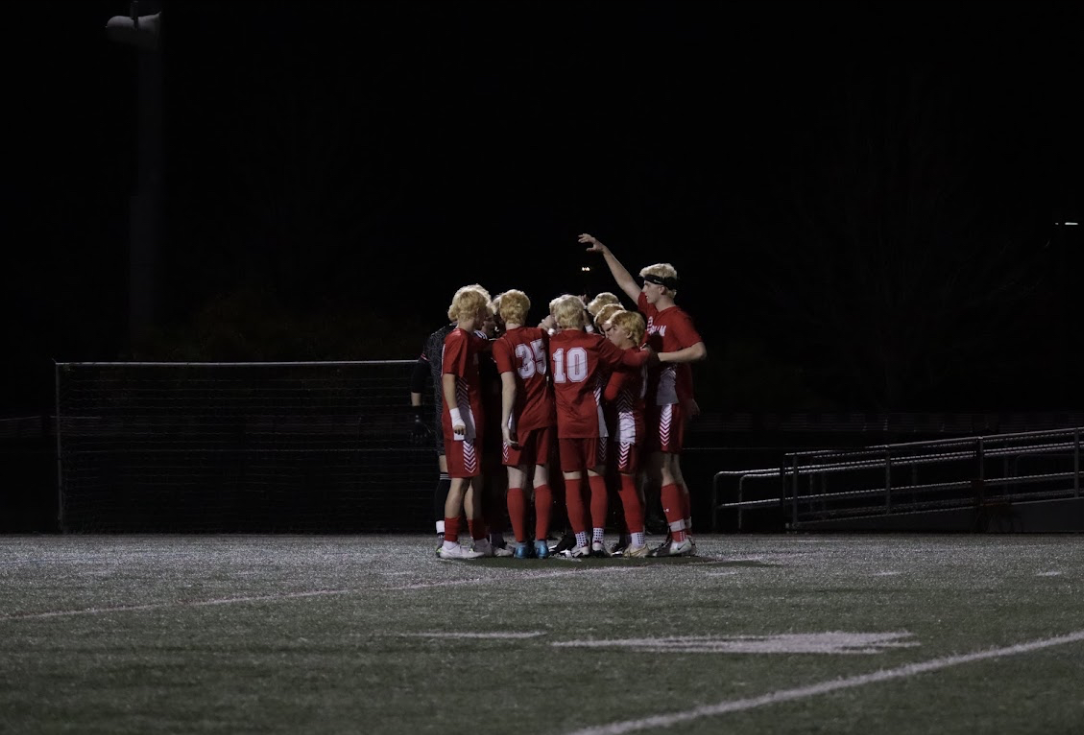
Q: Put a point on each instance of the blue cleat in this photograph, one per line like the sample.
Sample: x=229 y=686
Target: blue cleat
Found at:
x=541 y=550
x=523 y=551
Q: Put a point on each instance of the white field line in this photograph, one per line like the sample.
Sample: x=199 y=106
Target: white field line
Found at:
x=292 y=595
x=789 y=695
x=494 y=635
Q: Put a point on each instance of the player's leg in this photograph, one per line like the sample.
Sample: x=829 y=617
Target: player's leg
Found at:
x=573 y=466
x=440 y=494
x=473 y=504
x=517 y=508
x=444 y=482
x=543 y=507
x=679 y=480
x=600 y=501
x=660 y=465
x=494 y=503
x=628 y=467
x=462 y=467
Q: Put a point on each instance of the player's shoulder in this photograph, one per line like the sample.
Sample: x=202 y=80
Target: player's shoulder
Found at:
x=438 y=335
x=529 y=333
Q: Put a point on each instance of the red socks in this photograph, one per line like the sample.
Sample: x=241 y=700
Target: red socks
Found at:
x=634 y=509
x=673 y=507
x=543 y=502
x=517 y=513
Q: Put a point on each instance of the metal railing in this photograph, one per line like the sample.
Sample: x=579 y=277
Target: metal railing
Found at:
x=907 y=477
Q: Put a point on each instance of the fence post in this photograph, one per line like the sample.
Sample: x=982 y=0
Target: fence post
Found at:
x=888 y=480
x=794 y=500
x=59 y=469
x=1076 y=463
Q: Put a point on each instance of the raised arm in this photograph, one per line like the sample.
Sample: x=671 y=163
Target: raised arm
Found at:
x=624 y=279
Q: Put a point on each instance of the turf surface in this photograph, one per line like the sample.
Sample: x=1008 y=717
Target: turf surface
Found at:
x=372 y=634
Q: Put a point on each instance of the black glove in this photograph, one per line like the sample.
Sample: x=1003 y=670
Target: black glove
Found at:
x=420 y=432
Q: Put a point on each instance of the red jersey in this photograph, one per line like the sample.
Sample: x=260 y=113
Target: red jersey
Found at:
x=523 y=352
x=461 y=360
x=669 y=330
x=625 y=392
x=577 y=359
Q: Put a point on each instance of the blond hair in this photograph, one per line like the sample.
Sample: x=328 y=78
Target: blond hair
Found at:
x=568 y=311
x=604 y=315
x=603 y=299
x=472 y=287
x=469 y=301
x=663 y=270
x=632 y=322
x=514 y=306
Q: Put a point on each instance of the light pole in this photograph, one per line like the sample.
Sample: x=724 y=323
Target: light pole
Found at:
x=142 y=28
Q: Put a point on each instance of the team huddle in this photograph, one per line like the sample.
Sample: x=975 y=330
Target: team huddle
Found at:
x=600 y=392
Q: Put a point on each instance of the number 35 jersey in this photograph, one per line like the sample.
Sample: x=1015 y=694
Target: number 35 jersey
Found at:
x=523 y=351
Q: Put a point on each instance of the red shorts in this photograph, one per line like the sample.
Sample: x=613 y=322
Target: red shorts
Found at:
x=534 y=448
x=463 y=457
x=582 y=454
x=665 y=428
x=626 y=458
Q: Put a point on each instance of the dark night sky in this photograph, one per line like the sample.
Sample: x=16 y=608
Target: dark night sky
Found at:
x=369 y=158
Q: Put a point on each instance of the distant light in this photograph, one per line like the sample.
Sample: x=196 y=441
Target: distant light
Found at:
x=587 y=268
x=1067 y=224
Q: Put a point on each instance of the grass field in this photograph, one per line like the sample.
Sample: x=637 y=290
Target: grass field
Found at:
x=372 y=634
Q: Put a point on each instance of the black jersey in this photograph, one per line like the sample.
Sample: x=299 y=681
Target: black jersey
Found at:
x=433 y=354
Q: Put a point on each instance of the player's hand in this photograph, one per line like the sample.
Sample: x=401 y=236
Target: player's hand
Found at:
x=509 y=436
x=459 y=429
x=596 y=246
x=420 y=432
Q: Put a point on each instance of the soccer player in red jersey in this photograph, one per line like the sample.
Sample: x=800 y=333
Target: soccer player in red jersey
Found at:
x=527 y=420
x=577 y=358
x=670 y=401
x=602 y=314
x=429 y=365
x=595 y=306
x=625 y=392
x=493 y=479
x=463 y=423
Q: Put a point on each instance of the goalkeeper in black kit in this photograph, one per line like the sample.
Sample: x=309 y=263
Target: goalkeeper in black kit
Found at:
x=427 y=428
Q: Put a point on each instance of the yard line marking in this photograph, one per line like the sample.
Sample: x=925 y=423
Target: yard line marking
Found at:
x=1048 y=574
x=487 y=580
x=174 y=603
x=831 y=642
x=287 y=595
x=788 y=695
x=528 y=634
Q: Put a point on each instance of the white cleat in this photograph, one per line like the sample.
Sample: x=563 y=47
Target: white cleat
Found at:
x=682 y=548
x=458 y=552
